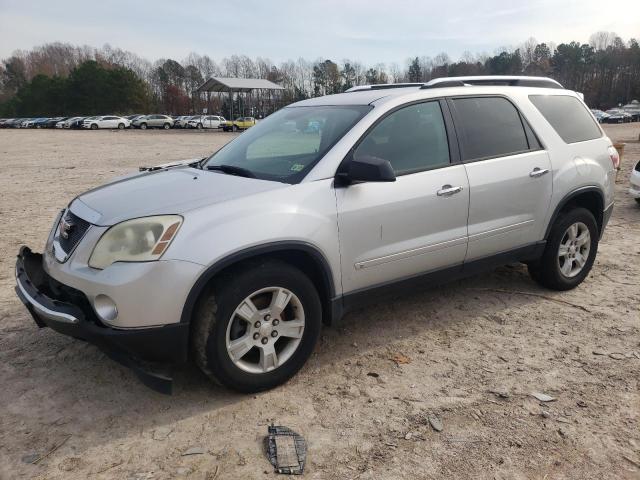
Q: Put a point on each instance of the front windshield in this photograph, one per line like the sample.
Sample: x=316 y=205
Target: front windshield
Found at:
x=286 y=145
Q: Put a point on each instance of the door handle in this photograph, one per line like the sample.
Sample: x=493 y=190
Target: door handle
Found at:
x=538 y=172
x=448 y=190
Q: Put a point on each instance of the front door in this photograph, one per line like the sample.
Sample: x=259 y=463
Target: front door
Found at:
x=417 y=224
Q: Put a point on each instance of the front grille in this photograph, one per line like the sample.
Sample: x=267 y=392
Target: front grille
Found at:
x=75 y=228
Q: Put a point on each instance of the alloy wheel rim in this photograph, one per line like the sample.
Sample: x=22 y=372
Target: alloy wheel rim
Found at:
x=265 y=330
x=574 y=249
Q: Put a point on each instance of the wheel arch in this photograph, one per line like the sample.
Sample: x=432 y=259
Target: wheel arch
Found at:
x=591 y=198
x=302 y=255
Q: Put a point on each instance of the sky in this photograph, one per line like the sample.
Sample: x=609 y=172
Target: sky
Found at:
x=369 y=31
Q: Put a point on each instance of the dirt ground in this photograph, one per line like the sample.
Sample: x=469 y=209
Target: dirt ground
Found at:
x=469 y=354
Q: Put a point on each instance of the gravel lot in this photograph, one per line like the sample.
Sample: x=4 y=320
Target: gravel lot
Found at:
x=469 y=353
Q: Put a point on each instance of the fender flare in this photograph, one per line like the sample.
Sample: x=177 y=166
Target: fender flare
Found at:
x=247 y=253
x=570 y=196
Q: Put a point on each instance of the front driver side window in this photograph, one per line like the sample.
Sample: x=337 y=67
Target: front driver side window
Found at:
x=412 y=139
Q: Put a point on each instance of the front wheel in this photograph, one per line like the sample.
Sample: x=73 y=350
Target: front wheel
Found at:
x=199 y=127
x=143 y=126
x=255 y=328
x=94 y=126
x=121 y=126
x=166 y=126
x=570 y=251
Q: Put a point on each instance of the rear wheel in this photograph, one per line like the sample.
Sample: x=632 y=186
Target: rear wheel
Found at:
x=256 y=328
x=143 y=126
x=570 y=251
x=166 y=126
x=199 y=127
x=121 y=126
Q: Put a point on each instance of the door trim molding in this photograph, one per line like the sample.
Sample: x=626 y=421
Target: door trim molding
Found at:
x=373 y=262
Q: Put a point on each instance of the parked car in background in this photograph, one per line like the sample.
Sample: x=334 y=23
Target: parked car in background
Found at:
x=52 y=122
x=240 y=123
x=107 y=121
x=600 y=115
x=633 y=109
x=617 y=116
x=154 y=121
x=206 y=121
x=181 y=121
x=41 y=122
x=634 y=188
x=76 y=122
x=4 y=123
x=30 y=122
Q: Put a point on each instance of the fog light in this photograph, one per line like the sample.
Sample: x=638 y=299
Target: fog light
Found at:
x=105 y=308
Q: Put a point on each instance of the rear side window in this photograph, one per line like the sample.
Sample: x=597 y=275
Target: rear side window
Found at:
x=568 y=117
x=489 y=127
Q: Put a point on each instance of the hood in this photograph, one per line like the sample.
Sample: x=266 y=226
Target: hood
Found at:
x=169 y=191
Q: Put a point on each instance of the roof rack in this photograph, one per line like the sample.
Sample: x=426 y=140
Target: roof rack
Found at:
x=382 y=86
x=443 y=82
x=508 y=80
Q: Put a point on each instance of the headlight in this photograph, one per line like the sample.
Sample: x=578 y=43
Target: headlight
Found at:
x=138 y=240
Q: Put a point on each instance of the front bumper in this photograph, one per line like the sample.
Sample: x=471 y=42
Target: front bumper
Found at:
x=67 y=311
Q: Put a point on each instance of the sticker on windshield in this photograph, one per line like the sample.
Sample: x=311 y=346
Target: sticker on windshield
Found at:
x=297 y=167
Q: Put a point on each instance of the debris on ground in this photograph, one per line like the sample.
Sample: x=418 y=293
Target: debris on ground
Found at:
x=193 y=451
x=401 y=359
x=500 y=393
x=287 y=450
x=543 y=397
x=435 y=423
x=373 y=374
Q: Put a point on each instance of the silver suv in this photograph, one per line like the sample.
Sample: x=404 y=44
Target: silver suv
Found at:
x=153 y=121
x=236 y=260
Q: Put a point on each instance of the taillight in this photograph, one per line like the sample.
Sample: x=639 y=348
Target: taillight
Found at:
x=615 y=157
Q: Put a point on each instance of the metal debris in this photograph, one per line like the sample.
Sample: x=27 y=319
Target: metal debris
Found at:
x=287 y=450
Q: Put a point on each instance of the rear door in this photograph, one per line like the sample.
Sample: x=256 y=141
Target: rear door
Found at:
x=509 y=173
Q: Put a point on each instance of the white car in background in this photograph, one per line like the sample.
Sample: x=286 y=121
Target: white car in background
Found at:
x=107 y=121
x=206 y=121
x=634 y=188
x=182 y=121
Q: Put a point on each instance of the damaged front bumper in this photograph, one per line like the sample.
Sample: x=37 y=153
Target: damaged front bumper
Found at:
x=67 y=311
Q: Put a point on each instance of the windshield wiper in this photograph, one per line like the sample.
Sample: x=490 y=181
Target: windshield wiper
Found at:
x=232 y=170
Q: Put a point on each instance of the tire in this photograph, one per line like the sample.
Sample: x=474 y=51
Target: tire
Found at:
x=215 y=320
x=166 y=126
x=143 y=126
x=94 y=126
x=560 y=272
x=121 y=126
x=199 y=126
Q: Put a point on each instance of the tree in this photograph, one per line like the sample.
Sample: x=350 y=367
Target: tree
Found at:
x=415 y=73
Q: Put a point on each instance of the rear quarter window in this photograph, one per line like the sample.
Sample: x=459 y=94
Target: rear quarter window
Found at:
x=568 y=117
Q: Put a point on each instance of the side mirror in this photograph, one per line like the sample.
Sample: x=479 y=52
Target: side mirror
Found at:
x=366 y=168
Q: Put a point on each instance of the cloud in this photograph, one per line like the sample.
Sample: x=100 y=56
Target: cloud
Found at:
x=367 y=31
